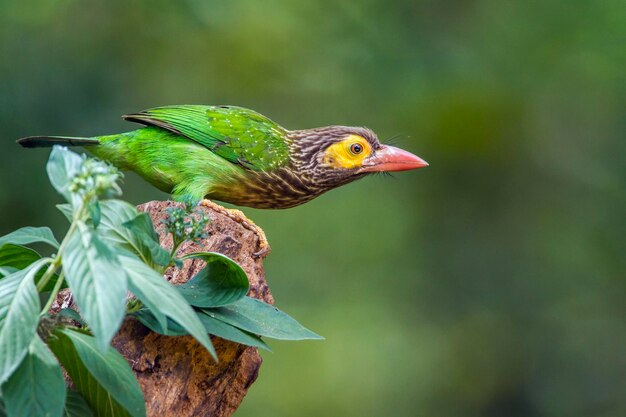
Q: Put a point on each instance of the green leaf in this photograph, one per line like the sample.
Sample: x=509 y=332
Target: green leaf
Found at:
x=103 y=378
x=219 y=283
x=257 y=317
x=37 y=387
x=229 y=332
x=14 y=257
x=62 y=166
x=7 y=270
x=94 y=212
x=98 y=282
x=19 y=316
x=167 y=328
x=143 y=228
x=114 y=214
x=212 y=326
x=76 y=406
x=17 y=256
x=27 y=235
x=72 y=314
x=161 y=297
x=142 y=223
x=66 y=210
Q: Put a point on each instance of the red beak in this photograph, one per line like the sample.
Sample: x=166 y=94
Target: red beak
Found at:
x=389 y=158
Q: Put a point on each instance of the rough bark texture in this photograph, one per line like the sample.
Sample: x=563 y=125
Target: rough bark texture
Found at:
x=177 y=375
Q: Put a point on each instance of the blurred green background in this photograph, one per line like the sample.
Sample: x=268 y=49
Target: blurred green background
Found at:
x=492 y=283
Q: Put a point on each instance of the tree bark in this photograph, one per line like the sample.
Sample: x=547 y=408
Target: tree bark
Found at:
x=177 y=375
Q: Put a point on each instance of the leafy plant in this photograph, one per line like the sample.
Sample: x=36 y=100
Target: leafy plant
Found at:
x=109 y=249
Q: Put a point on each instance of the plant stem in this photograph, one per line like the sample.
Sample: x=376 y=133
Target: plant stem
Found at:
x=66 y=239
x=53 y=294
x=57 y=259
x=175 y=247
x=47 y=275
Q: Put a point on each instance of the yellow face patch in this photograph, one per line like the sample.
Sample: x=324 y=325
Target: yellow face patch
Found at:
x=347 y=154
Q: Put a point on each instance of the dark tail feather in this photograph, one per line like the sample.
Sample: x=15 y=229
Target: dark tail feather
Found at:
x=48 y=141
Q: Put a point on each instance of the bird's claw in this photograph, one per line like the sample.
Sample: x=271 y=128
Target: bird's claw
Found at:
x=263 y=250
x=239 y=217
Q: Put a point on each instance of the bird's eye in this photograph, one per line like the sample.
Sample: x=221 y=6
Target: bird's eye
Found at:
x=356 y=148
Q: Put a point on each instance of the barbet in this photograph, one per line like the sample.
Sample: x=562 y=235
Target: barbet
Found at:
x=238 y=156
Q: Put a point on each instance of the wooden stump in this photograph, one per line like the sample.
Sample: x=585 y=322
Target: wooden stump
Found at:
x=177 y=375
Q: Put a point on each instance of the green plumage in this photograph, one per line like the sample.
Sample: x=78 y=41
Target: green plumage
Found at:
x=157 y=155
x=192 y=151
x=236 y=134
x=227 y=153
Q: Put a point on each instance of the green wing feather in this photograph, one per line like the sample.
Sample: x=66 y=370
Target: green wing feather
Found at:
x=238 y=135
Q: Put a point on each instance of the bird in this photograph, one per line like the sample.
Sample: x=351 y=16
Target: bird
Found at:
x=238 y=156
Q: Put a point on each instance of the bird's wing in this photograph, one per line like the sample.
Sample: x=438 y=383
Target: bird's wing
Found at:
x=238 y=135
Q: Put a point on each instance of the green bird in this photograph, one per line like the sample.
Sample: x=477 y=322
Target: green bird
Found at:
x=238 y=156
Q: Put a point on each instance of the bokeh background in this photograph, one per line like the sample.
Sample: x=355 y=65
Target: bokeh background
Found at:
x=492 y=283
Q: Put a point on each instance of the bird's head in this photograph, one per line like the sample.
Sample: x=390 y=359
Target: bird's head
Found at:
x=335 y=155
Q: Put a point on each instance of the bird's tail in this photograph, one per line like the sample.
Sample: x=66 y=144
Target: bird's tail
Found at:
x=49 y=141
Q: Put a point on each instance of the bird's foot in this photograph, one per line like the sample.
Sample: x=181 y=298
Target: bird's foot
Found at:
x=239 y=217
